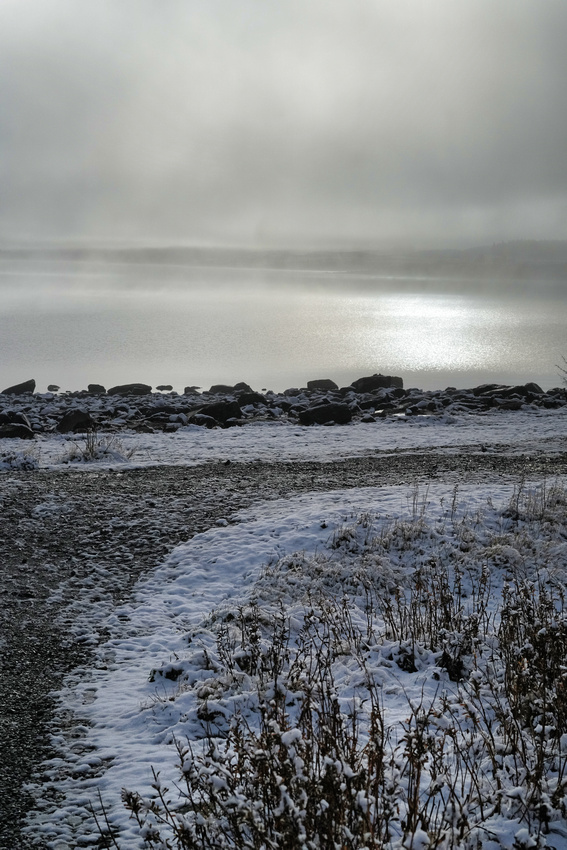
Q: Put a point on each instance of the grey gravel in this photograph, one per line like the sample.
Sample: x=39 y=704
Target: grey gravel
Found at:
x=56 y=526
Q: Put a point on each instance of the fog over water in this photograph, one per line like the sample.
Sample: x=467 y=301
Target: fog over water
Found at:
x=384 y=125
x=75 y=324
x=285 y=121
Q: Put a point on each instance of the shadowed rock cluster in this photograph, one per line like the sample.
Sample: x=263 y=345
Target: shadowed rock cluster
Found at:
x=24 y=413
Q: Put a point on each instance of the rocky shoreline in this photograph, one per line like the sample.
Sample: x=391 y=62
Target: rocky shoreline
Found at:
x=24 y=413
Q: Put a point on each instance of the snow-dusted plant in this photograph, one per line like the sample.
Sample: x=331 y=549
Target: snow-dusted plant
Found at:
x=93 y=446
x=524 y=699
x=301 y=767
x=304 y=774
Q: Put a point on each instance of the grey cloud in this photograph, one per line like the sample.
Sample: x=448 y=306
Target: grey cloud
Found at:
x=340 y=118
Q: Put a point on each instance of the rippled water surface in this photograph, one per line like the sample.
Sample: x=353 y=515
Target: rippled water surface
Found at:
x=74 y=324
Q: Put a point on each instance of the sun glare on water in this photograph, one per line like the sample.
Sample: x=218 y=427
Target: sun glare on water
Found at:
x=430 y=332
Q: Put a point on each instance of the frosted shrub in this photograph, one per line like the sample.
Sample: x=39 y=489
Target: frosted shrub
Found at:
x=306 y=775
x=93 y=446
x=305 y=768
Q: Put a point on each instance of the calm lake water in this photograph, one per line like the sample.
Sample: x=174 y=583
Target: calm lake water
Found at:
x=74 y=324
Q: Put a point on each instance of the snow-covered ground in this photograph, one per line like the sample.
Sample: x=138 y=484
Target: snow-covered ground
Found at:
x=519 y=431
x=164 y=645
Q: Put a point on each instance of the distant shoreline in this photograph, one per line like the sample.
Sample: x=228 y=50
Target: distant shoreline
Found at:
x=520 y=260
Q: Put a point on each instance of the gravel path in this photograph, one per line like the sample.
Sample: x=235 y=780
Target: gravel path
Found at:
x=92 y=533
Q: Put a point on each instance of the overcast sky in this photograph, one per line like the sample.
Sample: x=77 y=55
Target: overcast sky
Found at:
x=281 y=122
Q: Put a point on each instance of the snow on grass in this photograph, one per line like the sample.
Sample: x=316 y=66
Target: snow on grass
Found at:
x=520 y=431
x=24 y=459
x=371 y=660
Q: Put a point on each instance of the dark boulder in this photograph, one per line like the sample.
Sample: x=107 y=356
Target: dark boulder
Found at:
x=293 y=409
x=375 y=382
x=203 y=420
x=14 y=417
x=242 y=387
x=75 y=420
x=16 y=430
x=96 y=389
x=372 y=403
x=130 y=389
x=53 y=388
x=252 y=398
x=220 y=411
x=397 y=392
x=322 y=384
x=490 y=389
x=519 y=391
x=164 y=388
x=511 y=404
x=20 y=389
x=532 y=387
x=221 y=389
x=322 y=413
